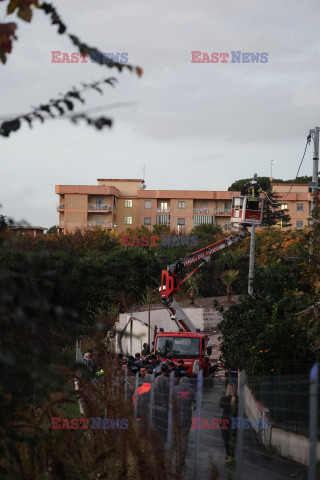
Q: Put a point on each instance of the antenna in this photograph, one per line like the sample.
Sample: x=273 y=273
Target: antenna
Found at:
x=271 y=167
x=144 y=172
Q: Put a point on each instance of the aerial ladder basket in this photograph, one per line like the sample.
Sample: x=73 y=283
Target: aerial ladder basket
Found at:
x=247 y=210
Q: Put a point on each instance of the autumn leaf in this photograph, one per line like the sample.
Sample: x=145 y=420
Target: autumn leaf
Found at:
x=7 y=34
x=139 y=71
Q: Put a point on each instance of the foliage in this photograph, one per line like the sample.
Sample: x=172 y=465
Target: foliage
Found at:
x=207 y=234
x=303 y=179
x=264 y=183
x=273 y=214
x=58 y=107
x=260 y=334
x=227 y=278
x=53 y=229
x=64 y=104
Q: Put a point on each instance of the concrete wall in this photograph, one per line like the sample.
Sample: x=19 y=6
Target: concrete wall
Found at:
x=289 y=445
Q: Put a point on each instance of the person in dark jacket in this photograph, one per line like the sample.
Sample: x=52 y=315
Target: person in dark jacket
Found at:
x=145 y=350
x=229 y=405
x=161 y=402
x=183 y=398
x=181 y=370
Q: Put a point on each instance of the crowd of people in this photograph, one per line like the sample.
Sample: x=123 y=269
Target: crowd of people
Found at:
x=183 y=396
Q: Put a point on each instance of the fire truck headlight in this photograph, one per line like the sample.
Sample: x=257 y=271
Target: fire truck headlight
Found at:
x=195 y=368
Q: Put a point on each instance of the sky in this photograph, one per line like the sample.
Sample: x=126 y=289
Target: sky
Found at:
x=196 y=126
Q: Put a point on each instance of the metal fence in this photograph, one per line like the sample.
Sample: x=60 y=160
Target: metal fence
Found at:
x=250 y=441
x=208 y=437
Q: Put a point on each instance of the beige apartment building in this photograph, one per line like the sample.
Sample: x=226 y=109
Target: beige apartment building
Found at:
x=297 y=199
x=125 y=203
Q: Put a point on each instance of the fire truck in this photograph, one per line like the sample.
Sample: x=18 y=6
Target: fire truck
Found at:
x=189 y=343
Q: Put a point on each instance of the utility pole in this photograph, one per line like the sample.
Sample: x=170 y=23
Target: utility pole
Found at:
x=251 y=261
x=314 y=184
x=252 y=249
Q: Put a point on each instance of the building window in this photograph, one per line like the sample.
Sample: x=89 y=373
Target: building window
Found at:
x=163 y=206
x=284 y=206
x=227 y=206
x=128 y=220
x=181 y=204
x=181 y=221
x=163 y=220
x=128 y=203
x=299 y=223
x=147 y=220
x=300 y=206
x=147 y=204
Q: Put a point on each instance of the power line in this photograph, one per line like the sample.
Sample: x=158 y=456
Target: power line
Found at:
x=304 y=153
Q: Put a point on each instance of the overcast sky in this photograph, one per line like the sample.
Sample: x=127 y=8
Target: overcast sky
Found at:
x=193 y=125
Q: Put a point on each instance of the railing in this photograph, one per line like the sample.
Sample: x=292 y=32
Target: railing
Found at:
x=60 y=206
x=211 y=211
x=61 y=224
x=163 y=210
x=101 y=206
x=100 y=224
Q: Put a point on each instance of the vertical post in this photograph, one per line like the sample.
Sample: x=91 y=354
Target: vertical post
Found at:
x=136 y=399
x=151 y=400
x=239 y=446
x=149 y=293
x=251 y=262
x=170 y=416
x=126 y=385
x=198 y=414
x=313 y=420
x=315 y=163
x=131 y=336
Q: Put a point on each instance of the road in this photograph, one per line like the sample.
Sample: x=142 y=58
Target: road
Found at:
x=257 y=463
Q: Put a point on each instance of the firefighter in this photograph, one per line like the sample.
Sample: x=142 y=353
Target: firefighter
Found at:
x=252 y=190
x=183 y=398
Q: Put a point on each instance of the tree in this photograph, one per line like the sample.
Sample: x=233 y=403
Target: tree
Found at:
x=264 y=183
x=273 y=214
x=261 y=334
x=193 y=287
x=53 y=229
x=228 y=277
x=207 y=233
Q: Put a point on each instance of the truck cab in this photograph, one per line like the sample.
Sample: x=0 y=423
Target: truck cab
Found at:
x=191 y=347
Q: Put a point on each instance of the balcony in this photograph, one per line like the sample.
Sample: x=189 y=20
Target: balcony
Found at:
x=60 y=206
x=61 y=225
x=163 y=210
x=163 y=220
x=101 y=206
x=211 y=211
x=100 y=224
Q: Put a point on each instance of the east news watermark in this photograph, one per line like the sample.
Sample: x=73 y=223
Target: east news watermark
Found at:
x=95 y=57
x=163 y=240
x=229 y=57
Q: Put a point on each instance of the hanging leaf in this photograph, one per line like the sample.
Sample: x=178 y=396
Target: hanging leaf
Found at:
x=7 y=127
x=28 y=120
x=68 y=104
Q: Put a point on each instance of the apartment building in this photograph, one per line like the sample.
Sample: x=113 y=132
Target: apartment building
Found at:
x=297 y=199
x=125 y=203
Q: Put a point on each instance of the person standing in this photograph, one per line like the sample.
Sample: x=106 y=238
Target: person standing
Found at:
x=229 y=405
x=183 y=398
x=161 y=402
